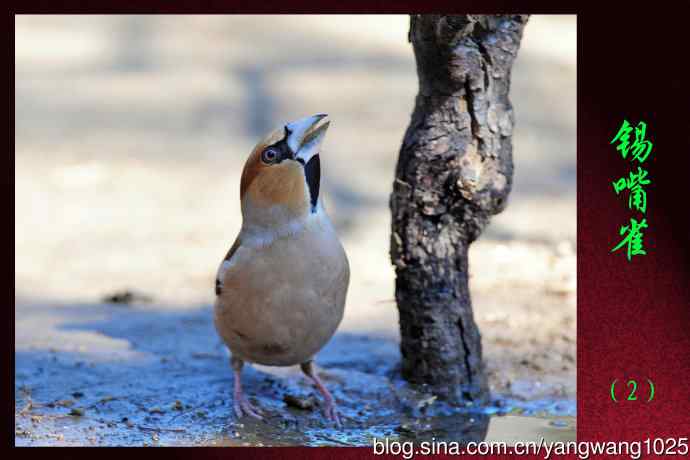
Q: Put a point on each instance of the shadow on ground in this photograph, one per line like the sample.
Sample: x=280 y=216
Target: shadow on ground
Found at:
x=141 y=375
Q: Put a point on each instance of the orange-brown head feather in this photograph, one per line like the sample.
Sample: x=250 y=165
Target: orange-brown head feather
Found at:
x=279 y=187
x=281 y=178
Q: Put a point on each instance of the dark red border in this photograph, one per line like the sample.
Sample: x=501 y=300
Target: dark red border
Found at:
x=293 y=7
x=633 y=318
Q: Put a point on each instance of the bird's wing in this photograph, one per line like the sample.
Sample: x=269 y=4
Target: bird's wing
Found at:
x=223 y=265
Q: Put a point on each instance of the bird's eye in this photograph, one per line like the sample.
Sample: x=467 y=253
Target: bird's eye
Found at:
x=269 y=156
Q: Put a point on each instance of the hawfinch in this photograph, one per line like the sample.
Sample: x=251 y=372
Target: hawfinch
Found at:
x=280 y=291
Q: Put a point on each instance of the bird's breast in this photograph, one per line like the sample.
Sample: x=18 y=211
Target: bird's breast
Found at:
x=280 y=303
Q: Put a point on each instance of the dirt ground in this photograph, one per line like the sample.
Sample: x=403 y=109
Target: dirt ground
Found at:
x=130 y=137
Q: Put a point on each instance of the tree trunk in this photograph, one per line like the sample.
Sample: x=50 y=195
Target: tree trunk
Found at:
x=454 y=171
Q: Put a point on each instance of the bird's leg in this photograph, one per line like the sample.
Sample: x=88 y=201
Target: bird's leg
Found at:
x=331 y=408
x=241 y=404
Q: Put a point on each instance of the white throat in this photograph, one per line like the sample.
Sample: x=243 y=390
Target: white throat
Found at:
x=264 y=235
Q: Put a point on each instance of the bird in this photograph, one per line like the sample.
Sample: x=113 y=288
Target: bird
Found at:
x=281 y=288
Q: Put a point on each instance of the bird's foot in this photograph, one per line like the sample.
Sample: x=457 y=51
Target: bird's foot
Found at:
x=241 y=404
x=332 y=413
x=331 y=410
x=243 y=407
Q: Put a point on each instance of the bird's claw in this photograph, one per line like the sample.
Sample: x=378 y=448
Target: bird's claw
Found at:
x=243 y=407
x=333 y=414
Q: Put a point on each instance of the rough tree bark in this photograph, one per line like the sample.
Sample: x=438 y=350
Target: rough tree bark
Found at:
x=454 y=171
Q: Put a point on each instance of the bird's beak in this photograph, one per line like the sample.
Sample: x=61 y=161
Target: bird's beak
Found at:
x=303 y=139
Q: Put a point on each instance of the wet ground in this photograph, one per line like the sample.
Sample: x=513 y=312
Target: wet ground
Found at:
x=130 y=137
x=140 y=375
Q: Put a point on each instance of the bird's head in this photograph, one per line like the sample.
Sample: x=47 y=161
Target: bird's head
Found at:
x=281 y=178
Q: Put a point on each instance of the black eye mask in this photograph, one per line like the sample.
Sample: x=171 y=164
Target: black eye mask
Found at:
x=283 y=151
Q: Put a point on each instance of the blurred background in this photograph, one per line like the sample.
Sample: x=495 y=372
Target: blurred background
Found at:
x=131 y=132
